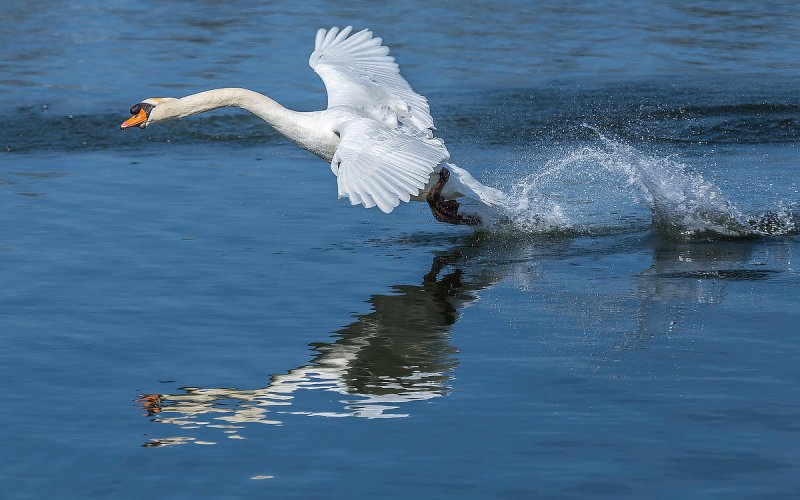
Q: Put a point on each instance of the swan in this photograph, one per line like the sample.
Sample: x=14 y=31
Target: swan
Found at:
x=376 y=133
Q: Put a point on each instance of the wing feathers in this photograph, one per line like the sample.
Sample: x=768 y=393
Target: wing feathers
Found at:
x=359 y=72
x=389 y=156
x=376 y=165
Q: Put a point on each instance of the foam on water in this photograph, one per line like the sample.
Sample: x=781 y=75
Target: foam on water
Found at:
x=612 y=187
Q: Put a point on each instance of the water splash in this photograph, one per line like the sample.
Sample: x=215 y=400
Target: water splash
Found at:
x=612 y=187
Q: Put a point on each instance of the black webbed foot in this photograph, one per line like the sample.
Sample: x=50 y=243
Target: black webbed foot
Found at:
x=447 y=210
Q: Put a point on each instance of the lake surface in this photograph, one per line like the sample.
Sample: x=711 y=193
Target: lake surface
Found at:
x=189 y=312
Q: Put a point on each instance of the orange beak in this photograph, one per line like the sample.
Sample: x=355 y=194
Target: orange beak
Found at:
x=134 y=120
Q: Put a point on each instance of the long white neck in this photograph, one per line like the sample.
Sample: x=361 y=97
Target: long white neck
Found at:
x=308 y=130
x=258 y=104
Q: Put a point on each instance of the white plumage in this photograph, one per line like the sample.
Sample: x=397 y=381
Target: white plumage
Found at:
x=389 y=155
x=377 y=165
x=359 y=73
x=377 y=133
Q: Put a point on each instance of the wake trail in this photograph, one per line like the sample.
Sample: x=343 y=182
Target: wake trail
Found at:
x=612 y=187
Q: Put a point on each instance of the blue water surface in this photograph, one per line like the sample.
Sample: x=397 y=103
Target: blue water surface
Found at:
x=189 y=312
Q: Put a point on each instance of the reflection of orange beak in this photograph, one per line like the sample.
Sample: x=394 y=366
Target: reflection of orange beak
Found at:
x=134 y=120
x=150 y=402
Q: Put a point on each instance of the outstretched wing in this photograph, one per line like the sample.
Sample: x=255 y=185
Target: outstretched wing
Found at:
x=359 y=72
x=377 y=165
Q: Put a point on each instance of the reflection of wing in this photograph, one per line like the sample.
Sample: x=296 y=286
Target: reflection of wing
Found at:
x=359 y=72
x=376 y=165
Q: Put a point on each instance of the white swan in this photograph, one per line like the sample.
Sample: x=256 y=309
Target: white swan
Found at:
x=377 y=133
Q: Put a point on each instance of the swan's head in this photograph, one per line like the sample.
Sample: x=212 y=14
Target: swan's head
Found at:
x=152 y=110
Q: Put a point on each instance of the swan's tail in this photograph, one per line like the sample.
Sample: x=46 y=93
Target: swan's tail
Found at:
x=461 y=183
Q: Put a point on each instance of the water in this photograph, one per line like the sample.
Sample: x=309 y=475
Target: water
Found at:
x=188 y=311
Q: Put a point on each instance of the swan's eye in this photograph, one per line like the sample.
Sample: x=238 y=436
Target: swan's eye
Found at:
x=146 y=106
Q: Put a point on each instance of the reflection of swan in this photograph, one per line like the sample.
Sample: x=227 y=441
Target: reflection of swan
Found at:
x=377 y=133
x=398 y=353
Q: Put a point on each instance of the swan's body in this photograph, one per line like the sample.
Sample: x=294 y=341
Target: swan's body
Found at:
x=377 y=133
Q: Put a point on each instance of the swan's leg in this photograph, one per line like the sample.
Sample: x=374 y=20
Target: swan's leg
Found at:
x=447 y=210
